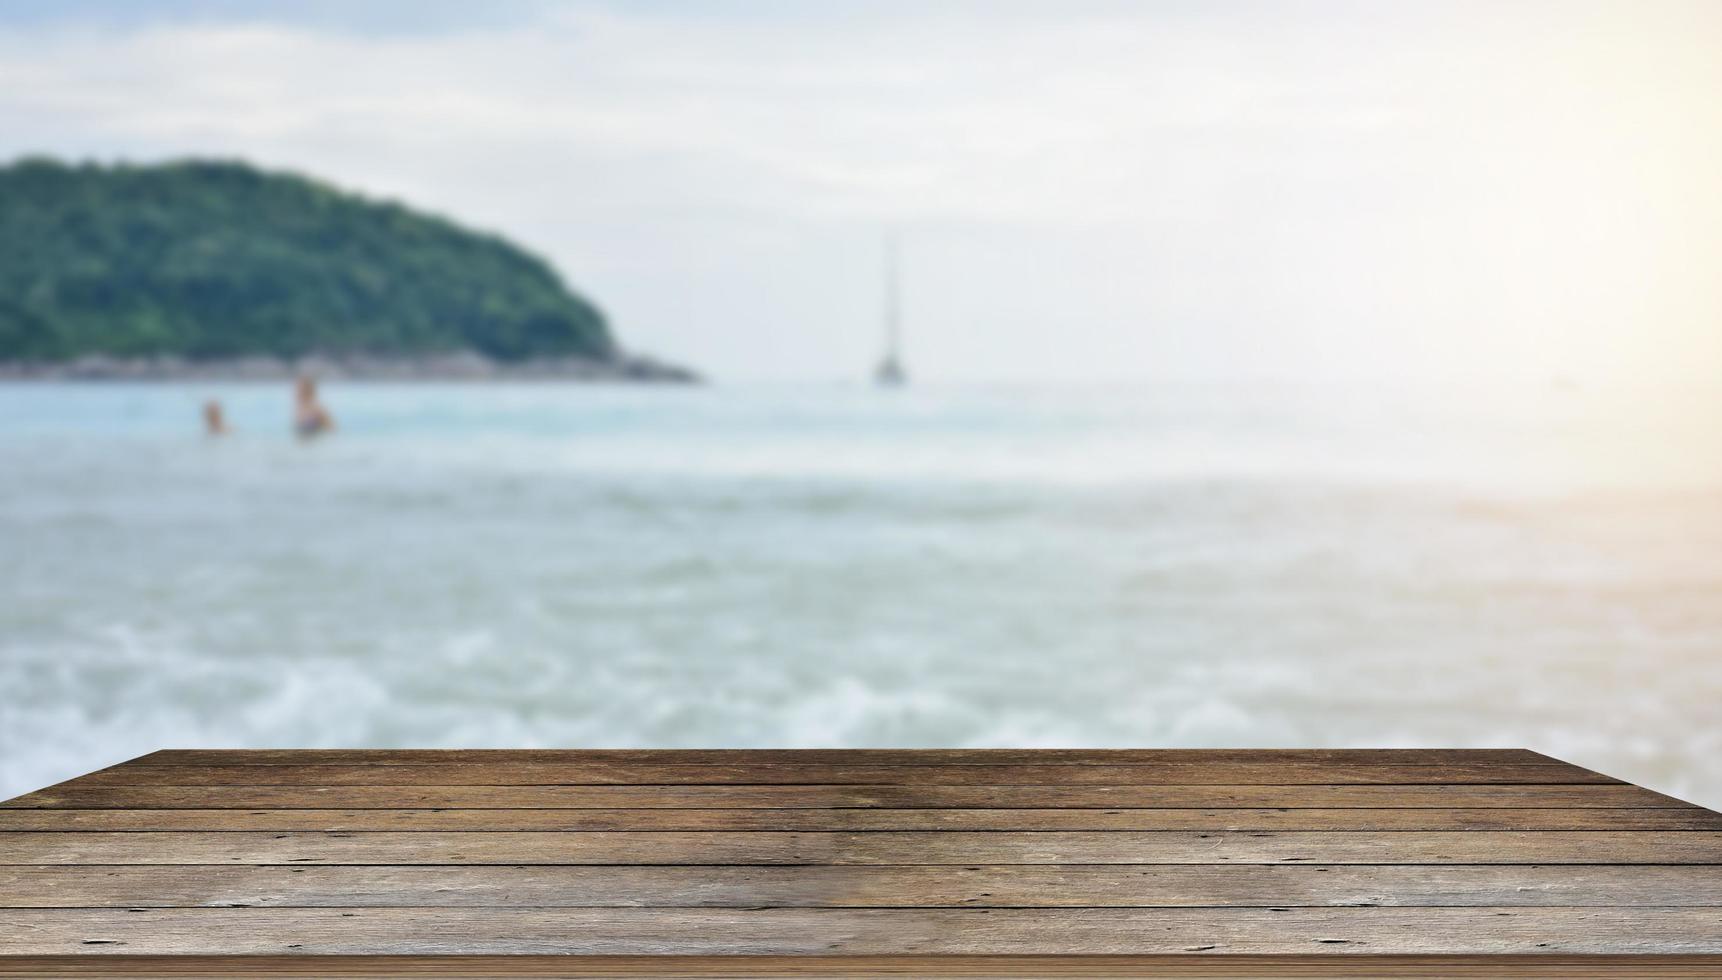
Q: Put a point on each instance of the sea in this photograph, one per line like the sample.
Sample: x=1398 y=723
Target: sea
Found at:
x=1182 y=562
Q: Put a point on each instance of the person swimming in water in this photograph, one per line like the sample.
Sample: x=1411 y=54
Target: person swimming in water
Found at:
x=310 y=418
x=214 y=419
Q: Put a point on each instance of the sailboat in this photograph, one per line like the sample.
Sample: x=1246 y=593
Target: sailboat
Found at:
x=890 y=373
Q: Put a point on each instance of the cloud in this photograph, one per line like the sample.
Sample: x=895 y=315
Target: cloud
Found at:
x=1252 y=181
x=1079 y=117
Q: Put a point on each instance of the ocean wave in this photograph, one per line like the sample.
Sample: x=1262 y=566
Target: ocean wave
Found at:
x=543 y=568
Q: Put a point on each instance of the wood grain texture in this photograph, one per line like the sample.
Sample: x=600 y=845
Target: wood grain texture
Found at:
x=1189 y=966
x=647 y=774
x=947 y=932
x=861 y=819
x=827 y=797
x=890 y=847
x=871 y=863
x=865 y=757
x=988 y=886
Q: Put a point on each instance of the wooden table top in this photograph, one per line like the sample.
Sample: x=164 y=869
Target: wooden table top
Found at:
x=857 y=863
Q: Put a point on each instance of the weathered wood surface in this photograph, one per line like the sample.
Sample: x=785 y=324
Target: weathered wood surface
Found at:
x=818 y=886
x=785 y=774
x=873 y=848
x=1190 y=966
x=856 y=819
x=76 y=794
x=851 y=757
x=877 y=862
x=863 y=932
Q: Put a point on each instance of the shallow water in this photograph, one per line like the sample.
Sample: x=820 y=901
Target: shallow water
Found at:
x=1177 y=564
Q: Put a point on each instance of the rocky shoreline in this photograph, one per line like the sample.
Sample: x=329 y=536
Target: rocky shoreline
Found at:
x=454 y=366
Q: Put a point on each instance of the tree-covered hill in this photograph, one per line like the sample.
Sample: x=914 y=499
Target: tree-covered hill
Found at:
x=207 y=260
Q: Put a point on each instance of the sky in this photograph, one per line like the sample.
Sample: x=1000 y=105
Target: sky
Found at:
x=1082 y=190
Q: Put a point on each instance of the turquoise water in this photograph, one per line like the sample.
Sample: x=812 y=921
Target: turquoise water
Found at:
x=1176 y=564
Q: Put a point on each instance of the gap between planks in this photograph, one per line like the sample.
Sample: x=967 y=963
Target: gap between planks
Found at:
x=1189 y=966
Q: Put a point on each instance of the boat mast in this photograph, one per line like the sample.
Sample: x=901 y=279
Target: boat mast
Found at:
x=890 y=371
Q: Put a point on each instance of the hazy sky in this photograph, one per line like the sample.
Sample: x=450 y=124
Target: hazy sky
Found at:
x=1082 y=189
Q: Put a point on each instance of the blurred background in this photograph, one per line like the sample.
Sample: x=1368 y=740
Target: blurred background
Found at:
x=1281 y=374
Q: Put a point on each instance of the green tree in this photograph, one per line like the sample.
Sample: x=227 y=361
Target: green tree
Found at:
x=214 y=259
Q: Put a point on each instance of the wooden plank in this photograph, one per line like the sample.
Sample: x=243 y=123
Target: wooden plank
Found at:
x=868 y=757
x=1189 y=966
x=1189 y=857
x=706 y=932
x=987 y=886
x=683 y=797
x=884 y=847
x=635 y=774
x=857 y=820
